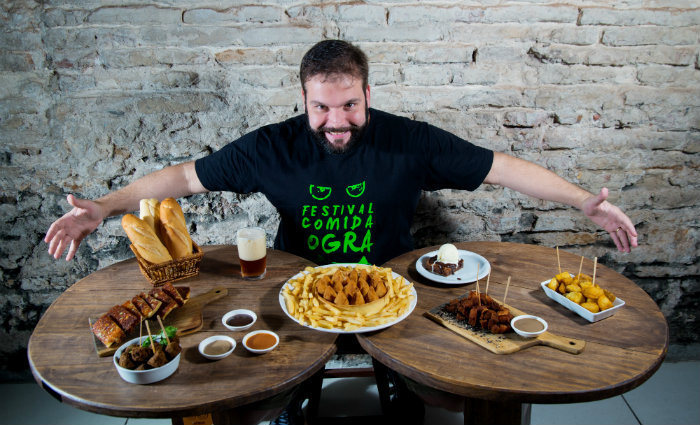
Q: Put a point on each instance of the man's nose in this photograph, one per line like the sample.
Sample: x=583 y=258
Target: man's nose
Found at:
x=336 y=118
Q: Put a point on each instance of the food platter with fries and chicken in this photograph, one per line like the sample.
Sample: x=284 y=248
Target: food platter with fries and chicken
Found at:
x=347 y=298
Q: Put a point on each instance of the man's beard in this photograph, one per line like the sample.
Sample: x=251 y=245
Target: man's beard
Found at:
x=356 y=133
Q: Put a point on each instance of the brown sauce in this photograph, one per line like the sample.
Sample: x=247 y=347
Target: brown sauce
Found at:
x=261 y=341
x=239 y=320
x=217 y=347
x=529 y=325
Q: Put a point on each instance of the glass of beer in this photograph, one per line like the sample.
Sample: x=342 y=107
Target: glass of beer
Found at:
x=252 y=252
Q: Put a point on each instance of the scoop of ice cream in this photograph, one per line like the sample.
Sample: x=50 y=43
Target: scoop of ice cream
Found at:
x=448 y=254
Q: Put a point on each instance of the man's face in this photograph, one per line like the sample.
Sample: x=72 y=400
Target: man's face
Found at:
x=336 y=106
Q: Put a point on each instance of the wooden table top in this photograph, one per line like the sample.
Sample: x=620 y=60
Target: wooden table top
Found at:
x=621 y=351
x=63 y=358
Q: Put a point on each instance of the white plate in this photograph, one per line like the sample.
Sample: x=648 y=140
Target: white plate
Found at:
x=283 y=304
x=591 y=317
x=464 y=275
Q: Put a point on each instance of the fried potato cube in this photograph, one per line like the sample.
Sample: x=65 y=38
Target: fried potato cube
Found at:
x=610 y=295
x=553 y=284
x=576 y=297
x=560 y=277
x=562 y=288
x=604 y=302
x=585 y=284
x=573 y=288
x=592 y=307
x=592 y=292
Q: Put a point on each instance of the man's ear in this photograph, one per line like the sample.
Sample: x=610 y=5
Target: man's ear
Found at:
x=367 y=95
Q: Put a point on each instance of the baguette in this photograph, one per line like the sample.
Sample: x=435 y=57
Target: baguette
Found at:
x=145 y=240
x=174 y=229
x=149 y=212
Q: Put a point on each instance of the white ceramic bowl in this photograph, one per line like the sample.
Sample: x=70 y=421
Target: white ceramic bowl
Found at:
x=207 y=341
x=591 y=317
x=514 y=324
x=144 y=376
x=232 y=313
x=257 y=351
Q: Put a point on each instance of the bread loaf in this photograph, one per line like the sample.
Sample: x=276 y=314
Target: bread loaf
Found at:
x=174 y=229
x=145 y=240
x=149 y=211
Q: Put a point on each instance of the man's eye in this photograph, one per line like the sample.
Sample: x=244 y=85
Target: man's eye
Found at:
x=350 y=105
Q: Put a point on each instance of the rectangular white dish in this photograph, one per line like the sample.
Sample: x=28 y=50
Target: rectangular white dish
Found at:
x=591 y=317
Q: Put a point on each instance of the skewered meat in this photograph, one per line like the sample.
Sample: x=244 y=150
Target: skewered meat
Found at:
x=158 y=359
x=481 y=311
x=125 y=360
x=140 y=354
x=173 y=348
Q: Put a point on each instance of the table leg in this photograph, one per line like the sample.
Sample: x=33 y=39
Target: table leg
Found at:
x=483 y=412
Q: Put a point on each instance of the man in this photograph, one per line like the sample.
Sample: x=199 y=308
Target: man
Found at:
x=345 y=178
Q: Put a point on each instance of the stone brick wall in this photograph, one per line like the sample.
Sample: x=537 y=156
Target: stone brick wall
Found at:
x=95 y=93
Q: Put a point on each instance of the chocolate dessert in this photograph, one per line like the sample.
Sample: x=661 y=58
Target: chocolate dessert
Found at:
x=443 y=269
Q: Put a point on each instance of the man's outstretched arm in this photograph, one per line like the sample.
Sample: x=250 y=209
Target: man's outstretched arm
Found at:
x=536 y=181
x=68 y=231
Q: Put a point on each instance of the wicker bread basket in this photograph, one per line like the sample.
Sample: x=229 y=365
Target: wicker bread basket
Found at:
x=170 y=271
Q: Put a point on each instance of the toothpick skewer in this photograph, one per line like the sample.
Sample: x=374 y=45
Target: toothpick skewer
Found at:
x=163 y=328
x=595 y=263
x=148 y=329
x=506 y=294
x=140 y=330
x=558 y=262
x=478 y=295
x=579 y=268
x=488 y=278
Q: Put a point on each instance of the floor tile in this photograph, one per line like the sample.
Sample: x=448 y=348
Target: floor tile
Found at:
x=670 y=396
x=29 y=404
x=610 y=411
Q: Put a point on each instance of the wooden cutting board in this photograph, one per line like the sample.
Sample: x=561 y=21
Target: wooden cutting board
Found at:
x=503 y=343
x=187 y=319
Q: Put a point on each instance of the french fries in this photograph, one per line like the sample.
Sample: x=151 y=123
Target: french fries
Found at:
x=303 y=304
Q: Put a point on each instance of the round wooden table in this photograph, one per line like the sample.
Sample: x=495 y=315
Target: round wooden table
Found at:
x=63 y=358
x=621 y=352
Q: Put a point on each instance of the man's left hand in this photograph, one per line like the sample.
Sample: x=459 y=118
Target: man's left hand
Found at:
x=612 y=219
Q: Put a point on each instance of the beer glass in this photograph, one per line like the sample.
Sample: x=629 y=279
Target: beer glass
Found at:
x=252 y=252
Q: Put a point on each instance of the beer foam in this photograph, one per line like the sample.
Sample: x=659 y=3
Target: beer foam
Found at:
x=251 y=244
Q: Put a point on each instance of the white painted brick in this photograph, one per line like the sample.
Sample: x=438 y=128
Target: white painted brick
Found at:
x=135 y=16
x=204 y=16
x=667 y=76
x=650 y=35
x=664 y=17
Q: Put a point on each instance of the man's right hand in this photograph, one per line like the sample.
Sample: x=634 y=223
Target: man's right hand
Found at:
x=73 y=227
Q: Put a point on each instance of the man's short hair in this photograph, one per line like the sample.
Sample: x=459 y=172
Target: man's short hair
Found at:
x=330 y=57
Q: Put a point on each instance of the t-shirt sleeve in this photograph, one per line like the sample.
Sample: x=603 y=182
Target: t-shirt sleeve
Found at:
x=452 y=162
x=233 y=168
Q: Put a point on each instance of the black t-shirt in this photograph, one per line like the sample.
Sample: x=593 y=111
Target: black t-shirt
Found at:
x=355 y=207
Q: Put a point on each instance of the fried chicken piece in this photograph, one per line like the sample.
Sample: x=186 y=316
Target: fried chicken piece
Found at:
x=341 y=299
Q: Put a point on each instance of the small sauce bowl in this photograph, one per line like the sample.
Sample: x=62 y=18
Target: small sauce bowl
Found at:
x=528 y=326
x=239 y=320
x=260 y=342
x=217 y=347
